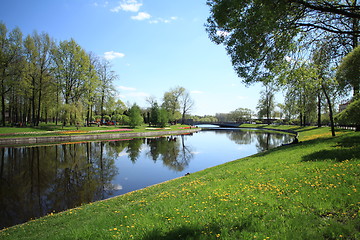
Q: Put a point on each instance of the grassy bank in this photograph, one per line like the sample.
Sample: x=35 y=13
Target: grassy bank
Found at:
x=303 y=191
x=56 y=130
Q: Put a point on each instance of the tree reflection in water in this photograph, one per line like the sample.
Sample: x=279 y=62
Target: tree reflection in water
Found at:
x=35 y=181
x=39 y=180
x=172 y=151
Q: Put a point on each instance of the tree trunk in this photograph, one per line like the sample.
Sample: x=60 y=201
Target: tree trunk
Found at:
x=319 y=110
x=39 y=103
x=330 y=111
x=33 y=103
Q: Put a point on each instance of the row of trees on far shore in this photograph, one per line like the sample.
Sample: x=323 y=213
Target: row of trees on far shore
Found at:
x=42 y=80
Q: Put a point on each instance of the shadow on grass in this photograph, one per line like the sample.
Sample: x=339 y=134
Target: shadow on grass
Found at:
x=191 y=232
x=346 y=149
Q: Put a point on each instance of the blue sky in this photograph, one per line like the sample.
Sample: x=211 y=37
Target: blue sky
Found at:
x=153 y=45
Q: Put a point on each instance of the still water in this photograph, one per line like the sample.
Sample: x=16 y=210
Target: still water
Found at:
x=35 y=181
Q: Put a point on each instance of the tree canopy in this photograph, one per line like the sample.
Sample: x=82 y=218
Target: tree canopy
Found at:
x=258 y=34
x=348 y=73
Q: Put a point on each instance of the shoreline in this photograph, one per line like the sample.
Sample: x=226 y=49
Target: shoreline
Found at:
x=4 y=142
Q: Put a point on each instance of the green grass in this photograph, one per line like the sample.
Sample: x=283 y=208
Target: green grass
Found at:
x=303 y=191
x=57 y=130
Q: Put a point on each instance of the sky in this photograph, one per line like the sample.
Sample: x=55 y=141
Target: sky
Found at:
x=153 y=46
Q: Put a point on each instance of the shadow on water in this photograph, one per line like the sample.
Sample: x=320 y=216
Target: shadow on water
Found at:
x=346 y=149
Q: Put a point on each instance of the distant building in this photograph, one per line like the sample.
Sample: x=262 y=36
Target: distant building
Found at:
x=343 y=106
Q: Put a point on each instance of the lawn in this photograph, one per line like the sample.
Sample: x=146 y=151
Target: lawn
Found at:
x=303 y=191
x=55 y=130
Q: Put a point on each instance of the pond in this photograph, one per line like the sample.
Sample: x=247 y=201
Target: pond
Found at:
x=38 y=180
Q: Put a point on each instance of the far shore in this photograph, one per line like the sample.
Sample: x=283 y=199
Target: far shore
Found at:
x=74 y=138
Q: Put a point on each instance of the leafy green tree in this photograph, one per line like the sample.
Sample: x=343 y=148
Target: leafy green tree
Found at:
x=11 y=60
x=299 y=79
x=257 y=49
x=91 y=86
x=163 y=117
x=351 y=115
x=135 y=118
x=348 y=73
x=72 y=65
x=186 y=104
x=154 y=114
x=266 y=103
x=240 y=115
x=325 y=80
x=39 y=70
x=106 y=90
x=171 y=102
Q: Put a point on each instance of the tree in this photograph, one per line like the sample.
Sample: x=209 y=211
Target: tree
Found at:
x=322 y=58
x=186 y=103
x=171 y=102
x=135 y=118
x=240 y=115
x=348 y=73
x=72 y=64
x=39 y=70
x=257 y=49
x=298 y=77
x=107 y=77
x=11 y=60
x=266 y=103
x=154 y=114
x=351 y=115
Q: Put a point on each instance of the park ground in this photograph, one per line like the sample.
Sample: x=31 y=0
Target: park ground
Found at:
x=308 y=190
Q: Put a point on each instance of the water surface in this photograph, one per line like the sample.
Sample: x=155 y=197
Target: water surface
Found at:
x=35 y=181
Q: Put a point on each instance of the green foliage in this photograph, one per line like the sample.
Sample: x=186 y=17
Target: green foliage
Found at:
x=238 y=115
x=158 y=116
x=351 y=115
x=259 y=34
x=135 y=117
x=42 y=79
x=171 y=102
x=266 y=104
x=348 y=73
x=163 y=117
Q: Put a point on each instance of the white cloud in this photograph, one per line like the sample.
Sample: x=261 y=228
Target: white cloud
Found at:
x=126 y=88
x=162 y=20
x=96 y=4
x=111 y=55
x=141 y=16
x=128 y=6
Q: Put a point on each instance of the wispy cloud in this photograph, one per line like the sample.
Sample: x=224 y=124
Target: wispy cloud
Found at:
x=127 y=6
x=111 y=55
x=126 y=88
x=163 y=20
x=141 y=16
x=97 y=4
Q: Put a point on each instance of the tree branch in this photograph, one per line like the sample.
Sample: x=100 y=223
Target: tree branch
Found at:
x=329 y=8
x=328 y=29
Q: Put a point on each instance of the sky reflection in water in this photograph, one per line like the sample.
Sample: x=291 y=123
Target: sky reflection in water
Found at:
x=38 y=180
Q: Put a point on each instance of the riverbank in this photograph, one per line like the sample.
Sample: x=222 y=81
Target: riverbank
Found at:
x=302 y=191
x=21 y=138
